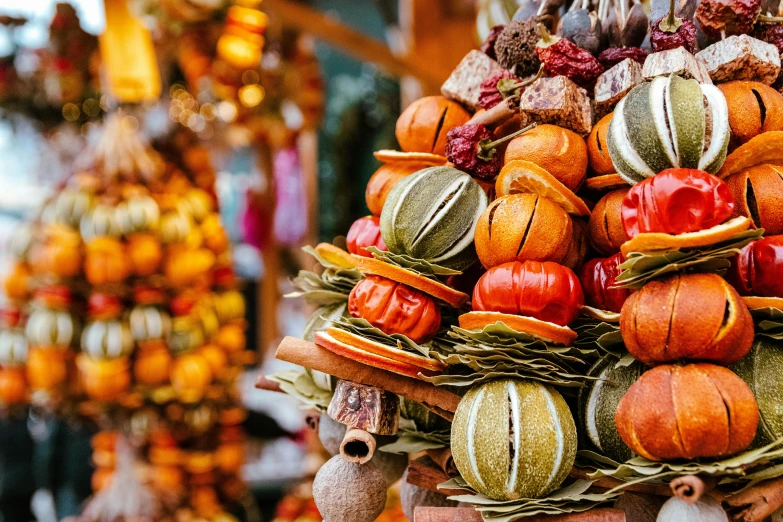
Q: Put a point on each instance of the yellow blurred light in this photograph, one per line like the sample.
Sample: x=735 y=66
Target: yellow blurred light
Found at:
x=238 y=52
x=251 y=95
x=91 y=107
x=71 y=112
x=208 y=111
x=227 y=111
x=130 y=124
x=176 y=88
x=250 y=77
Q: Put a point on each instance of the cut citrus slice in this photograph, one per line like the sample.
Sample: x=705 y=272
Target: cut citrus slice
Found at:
x=601 y=315
x=606 y=182
x=370 y=265
x=754 y=303
x=520 y=176
x=767 y=147
x=542 y=329
x=335 y=255
x=649 y=242
x=389 y=352
x=324 y=340
x=425 y=158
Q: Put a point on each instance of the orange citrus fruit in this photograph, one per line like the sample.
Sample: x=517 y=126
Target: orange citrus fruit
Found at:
x=597 y=150
x=521 y=177
x=335 y=255
x=559 y=151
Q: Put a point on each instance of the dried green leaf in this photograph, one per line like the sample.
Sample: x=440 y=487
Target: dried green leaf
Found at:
x=606 y=336
x=411 y=440
x=299 y=384
x=420 y=266
x=361 y=327
x=323 y=319
x=639 y=268
x=769 y=322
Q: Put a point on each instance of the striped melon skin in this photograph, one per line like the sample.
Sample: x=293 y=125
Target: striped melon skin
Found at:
x=668 y=122
x=598 y=402
x=432 y=215
x=513 y=439
x=760 y=370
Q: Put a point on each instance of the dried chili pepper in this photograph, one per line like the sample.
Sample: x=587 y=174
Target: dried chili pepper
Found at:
x=614 y=55
x=501 y=85
x=719 y=18
x=562 y=57
x=471 y=149
x=672 y=31
x=488 y=47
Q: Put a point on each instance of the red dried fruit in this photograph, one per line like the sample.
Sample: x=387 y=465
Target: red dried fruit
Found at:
x=488 y=47
x=598 y=280
x=471 y=149
x=498 y=87
x=756 y=269
x=683 y=35
x=562 y=57
x=719 y=18
x=614 y=55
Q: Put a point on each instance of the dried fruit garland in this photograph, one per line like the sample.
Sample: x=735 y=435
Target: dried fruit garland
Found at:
x=689 y=233
x=122 y=308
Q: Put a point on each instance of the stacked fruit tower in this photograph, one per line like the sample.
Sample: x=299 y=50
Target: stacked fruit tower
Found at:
x=455 y=324
x=122 y=310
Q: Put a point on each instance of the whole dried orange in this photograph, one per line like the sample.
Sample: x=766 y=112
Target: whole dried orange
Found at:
x=753 y=108
x=561 y=152
x=520 y=177
x=424 y=124
x=597 y=149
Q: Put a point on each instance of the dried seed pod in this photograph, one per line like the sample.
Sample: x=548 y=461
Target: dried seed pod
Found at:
x=607 y=234
x=583 y=28
x=685 y=412
x=424 y=124
x=523 y=227
x=721 y=18
x=513 y=439
x=347 y=492
x=758 y=192
x=630 y=25
x=516 y=47
x=412 y=497
x=687 y=316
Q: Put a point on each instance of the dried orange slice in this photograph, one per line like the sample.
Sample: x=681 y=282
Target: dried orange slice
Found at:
x=606 y=182
x=601 y=315
x=395 y=354
x=763 y=302
x=335 y=255
x=425 y=158
x=764 y=148
x=520 y=176
x=542 y=329
x=650 y=242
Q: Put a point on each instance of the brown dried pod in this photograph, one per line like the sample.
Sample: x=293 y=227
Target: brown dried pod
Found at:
x=687 y=316
x=348 y=492
x=685 y=412
x=607 y=233
x=423 y=126
x=758 y=192
x=523 y=227
x=365 y=407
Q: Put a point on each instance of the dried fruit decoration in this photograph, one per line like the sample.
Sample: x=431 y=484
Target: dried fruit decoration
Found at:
x=721 y=18
x=471 y=149
x=672 y=31
x=500 y=86
x=516 y=47
x=488 y=47
x=614 y=55
x=562 y=57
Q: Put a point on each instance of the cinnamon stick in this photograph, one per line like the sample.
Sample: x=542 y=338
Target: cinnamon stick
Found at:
x=444 y=460
x=691 y=488
x=263 y=383
x=424 y=473
x=756 y=503
x=451 y=514
x=497 y=114
x=460 y=514
x=310 y=355
x=357 y=446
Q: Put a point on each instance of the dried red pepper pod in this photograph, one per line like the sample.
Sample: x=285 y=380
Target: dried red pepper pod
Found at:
x=562 y=57
x=672 y=31
x=720 y=18
x=471 y=149
x=614 y=55
x=500 y=86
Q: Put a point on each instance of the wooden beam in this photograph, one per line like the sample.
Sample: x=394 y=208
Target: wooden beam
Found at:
x=351 y=41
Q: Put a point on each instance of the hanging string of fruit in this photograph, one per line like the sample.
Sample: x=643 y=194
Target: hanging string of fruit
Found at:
x=612 y=213
x=123 y=311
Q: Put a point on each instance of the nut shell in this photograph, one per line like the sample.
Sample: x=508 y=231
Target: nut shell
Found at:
x=686 y=412
x=607 y=234
x=758 y=192
x=523 y=227
x=687 y=316
x=348 y=492
x=424 y=124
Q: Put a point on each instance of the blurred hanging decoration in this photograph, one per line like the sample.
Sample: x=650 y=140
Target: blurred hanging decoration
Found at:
x=291 y=219
x=122 y=311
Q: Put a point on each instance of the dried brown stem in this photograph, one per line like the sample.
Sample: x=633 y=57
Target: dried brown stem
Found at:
x=691 y=488
x=263 y=383
x=497 y=114
x=357 y=446
x=756 y=503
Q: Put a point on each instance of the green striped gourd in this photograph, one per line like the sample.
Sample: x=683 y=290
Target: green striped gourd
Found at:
x=432 y=215
x=149 y=323
x=513 y=439
x=598 y=403
x=71 y=205
x=138 y=213
x=760 y=370
x=107 y=339
x=669 y=122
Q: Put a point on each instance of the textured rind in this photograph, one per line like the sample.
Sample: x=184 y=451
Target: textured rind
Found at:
x=745 y=112
x=548 y=235
x=558 y=101
x=687 y=412
x=675 y=61
x=385 y=351
x=347 y=492
x=766 y=182
x=741 y=58
x=760 y=370
x=764 y=148
x=607 y=233
x=689 y=120
x=325 y=340
x=547 y=439
x=682 y=316
x=615 y=83
x=418 y=123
